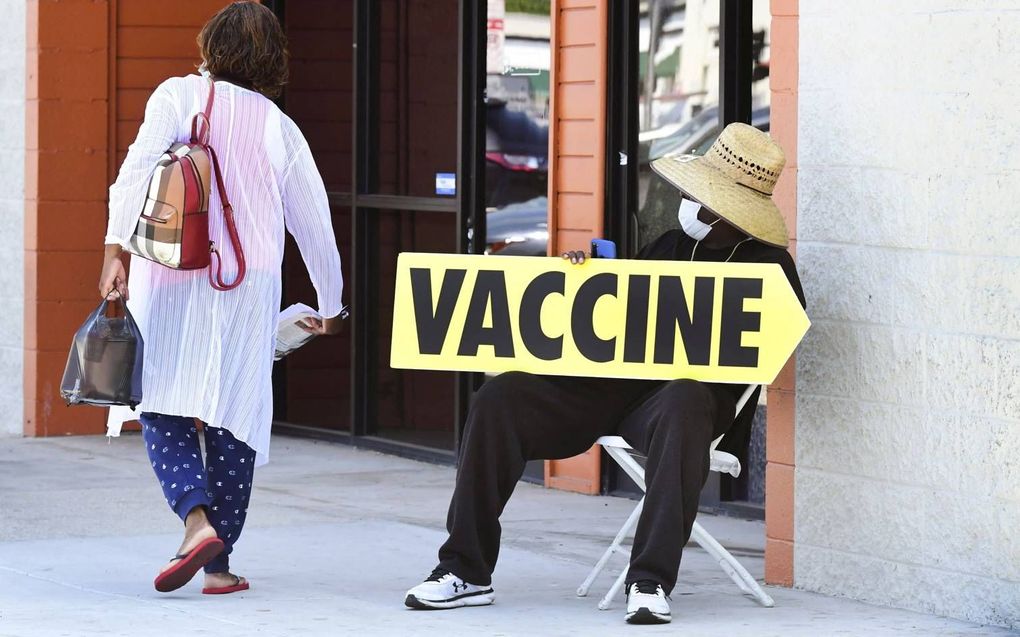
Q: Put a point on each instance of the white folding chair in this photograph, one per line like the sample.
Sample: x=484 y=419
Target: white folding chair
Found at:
x=721 y=462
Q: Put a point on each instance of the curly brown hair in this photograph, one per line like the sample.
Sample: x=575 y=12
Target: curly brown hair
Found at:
x=245 y=44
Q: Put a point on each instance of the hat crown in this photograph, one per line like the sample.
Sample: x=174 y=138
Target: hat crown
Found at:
x=748 y=156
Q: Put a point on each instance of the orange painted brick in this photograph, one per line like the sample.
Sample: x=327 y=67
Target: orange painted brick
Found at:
x=573 y=211
x=52 y=417
x=71 y=125
x=578 y=26
x=32 y=124
x=785 y=7
x=68 y=276
x=31 y=173
x=577 y=101
x=574 y=138
x=66 y=225
x=193 y=13
x=72 y=25
x=779 y=563
x=72 y=176
x=781 y=427
x=577 y=174
x=150 y=73
x=72 y=75
x=786 y=379
x=574 y=240
x=779 y=481
x=156 y=41
x=131 y=103
x=578 y=64
x=783 y=62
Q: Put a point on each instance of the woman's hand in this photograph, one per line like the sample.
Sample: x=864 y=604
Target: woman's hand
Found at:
x=576 y=257
x=113 y=280
x=325 y=327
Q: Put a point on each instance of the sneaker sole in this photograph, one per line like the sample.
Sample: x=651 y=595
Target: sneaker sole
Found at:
x=645 y=616
x=481 y=598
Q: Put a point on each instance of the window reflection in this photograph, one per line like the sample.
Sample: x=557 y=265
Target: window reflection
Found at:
x=678 y=110
x=517 y=127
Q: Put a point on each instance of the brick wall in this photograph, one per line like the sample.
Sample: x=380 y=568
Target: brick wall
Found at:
x=90 y=67
x=779 y=447
x=577 y=151
x=12 y=214
x=908 y=407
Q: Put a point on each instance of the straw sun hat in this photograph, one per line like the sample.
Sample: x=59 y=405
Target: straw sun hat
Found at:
x=734 y=179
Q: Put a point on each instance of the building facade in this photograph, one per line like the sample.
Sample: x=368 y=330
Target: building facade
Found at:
x=887 y=466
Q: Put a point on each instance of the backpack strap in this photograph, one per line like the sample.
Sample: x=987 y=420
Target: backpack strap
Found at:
x=200 y=130
x=200 y=122
x=235 y=240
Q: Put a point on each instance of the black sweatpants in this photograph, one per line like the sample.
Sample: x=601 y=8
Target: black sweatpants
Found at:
x=518 y=417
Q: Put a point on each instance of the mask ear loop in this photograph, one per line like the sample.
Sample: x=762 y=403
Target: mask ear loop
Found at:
x=698 y=242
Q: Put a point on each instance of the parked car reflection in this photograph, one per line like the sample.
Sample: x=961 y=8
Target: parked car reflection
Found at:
x=516 y=156
x=519 y=229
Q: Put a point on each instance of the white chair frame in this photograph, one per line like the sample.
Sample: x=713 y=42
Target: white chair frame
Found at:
x=721 y=462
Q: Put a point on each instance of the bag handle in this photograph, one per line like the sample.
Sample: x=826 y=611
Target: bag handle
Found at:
x=235 y=240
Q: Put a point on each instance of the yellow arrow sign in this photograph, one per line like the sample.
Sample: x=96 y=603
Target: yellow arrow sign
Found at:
x=716 y=322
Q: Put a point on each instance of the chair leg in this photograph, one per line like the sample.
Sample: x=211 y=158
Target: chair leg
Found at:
x=614 y=589
x=731 y=566
x=583 y=589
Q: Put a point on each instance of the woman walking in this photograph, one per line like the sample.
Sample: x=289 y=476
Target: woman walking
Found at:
x=209 y=353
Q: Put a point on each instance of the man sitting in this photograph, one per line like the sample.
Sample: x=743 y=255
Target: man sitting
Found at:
x=726 y=214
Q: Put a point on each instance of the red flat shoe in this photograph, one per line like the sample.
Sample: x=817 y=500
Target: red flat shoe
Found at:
x=188 y=564
x=223 y=590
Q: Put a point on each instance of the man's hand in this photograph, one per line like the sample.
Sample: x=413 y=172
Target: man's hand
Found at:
x=113 y=280
x=325 y=327
x=576 y=257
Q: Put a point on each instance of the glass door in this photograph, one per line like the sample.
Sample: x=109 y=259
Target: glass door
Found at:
x=389 y=95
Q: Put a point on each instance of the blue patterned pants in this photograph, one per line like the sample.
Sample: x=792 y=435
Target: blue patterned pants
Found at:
x=221 y=484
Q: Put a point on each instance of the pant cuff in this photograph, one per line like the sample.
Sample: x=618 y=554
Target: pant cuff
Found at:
x=219 y=564
x=190 y=500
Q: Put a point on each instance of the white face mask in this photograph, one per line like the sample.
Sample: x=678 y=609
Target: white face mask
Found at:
x=688 y=216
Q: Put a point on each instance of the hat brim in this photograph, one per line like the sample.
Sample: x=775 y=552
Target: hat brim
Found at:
x=748 y=210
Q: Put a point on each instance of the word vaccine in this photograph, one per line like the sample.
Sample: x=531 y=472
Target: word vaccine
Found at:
x=716 y=322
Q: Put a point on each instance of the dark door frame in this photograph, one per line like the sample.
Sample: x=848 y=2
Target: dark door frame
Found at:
x=366 y=204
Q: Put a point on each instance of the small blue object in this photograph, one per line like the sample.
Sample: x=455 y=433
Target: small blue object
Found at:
x=446 y=183
x=603 y=249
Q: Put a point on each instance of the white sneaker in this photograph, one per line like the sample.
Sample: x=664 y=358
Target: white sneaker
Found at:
x=443 y=589
x=646 y=604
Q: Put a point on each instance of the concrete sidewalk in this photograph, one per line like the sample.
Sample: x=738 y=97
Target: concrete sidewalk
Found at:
x=334 y=538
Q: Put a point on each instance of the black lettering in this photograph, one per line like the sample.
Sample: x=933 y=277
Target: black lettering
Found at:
x=535 y=340
x=582 y=318
x=695 y=328
x=490 y=288
x=735 y=321
x=637 y=319
x=432 y=328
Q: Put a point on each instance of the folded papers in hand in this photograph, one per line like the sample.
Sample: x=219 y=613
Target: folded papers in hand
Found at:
x=289 y=335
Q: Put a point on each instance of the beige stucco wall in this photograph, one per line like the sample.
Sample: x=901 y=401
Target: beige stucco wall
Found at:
x=12 y=214
x=908 y=385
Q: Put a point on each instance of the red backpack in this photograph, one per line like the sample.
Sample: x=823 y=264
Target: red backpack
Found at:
x=173 y=229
